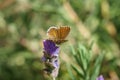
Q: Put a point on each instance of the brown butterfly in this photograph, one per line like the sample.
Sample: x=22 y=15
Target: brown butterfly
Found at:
x=58 y=34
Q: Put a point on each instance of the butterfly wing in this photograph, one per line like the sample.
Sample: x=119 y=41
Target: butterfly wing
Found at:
x=52 y=33
x=63 y=32
x=58 y=34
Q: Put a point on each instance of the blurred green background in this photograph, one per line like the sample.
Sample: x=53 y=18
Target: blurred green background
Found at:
x=23 y=26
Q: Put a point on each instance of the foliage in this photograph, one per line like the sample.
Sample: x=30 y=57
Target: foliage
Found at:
x=23 y=26
x=86 y=69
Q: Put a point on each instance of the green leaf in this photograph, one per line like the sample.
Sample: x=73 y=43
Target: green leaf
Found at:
x=77 y=57
x=78 y=71
x=83 y=56
x=97 y=66
x=70 y=72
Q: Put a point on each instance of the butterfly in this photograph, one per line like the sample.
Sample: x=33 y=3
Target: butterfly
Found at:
x=58 y=34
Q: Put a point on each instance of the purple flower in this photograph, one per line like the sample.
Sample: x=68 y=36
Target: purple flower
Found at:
x=100 y=77
x=50 y=48
x=56 y=63
x=50 y=57
x=43 y=59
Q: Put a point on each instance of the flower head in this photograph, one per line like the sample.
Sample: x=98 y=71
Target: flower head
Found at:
x=52 y=66
x=100 y=77
x=50 y=48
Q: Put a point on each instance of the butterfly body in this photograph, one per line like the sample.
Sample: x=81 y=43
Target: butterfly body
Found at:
x=59 y=41
x=58 y=34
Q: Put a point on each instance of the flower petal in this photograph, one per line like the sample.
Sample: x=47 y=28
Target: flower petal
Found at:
x=50 y=47
x=100 y=77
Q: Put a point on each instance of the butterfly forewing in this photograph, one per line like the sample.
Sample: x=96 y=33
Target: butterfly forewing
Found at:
x=52 y=33
x=64 y=31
